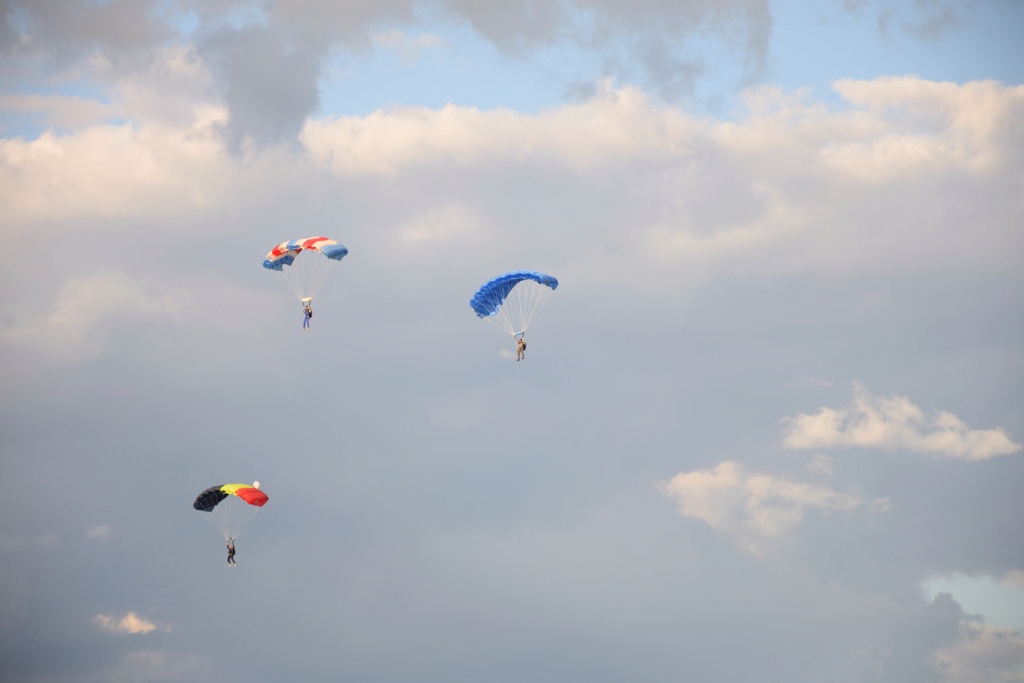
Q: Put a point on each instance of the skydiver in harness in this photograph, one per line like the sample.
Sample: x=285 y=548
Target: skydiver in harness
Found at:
x=520 y=349
x=231 y=553
x=309 y=315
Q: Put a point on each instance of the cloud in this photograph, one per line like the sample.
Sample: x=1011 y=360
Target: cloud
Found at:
x=755 y=509
x=268 y=81
x=963 y=123
x=107 y=171
x=894 y=424
x=172 y=86
x=407 y=46
x=936 y=20
x=129 y=623
x=982 y=653
x=791 y=186
x=646 y=41
x=921 y=20
x=624 y=195
x=64 y=32
x=438 y=226
x=86 y=312
x=267 y=60
x=821 y=464
x=101 y=532
x=616 y=124
x=779 y=162
x=58 y=110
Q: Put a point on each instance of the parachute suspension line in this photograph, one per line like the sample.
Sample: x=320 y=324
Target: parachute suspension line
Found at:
x=239 y=516
x=307 y=273
x=208 y=516
x=231 y=516
x=520 y=306
x=530 y=299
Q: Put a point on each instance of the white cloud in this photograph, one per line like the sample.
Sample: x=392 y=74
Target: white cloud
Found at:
x=791 y=202
x=129 y=623
x=963 y=121
x=107 y=171
x=755 y=509
x=1014 y=578
x=87 y=308
x=894 y=423
x=615 y=124
x=982 y=653
x=101 y=532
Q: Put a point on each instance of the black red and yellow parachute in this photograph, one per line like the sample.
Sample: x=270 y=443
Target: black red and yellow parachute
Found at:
x=208 y=499
x=229 y=507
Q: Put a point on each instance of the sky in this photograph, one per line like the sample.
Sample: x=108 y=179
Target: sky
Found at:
x=770 y=425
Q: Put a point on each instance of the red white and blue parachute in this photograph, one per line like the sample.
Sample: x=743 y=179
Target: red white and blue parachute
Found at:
x=304 y=264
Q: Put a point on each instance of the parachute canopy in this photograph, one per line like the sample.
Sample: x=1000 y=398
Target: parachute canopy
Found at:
x=229 y=507
x=510 y=301
x=304 y=264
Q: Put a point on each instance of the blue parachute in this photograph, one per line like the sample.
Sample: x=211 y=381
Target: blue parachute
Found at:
x=510 y=301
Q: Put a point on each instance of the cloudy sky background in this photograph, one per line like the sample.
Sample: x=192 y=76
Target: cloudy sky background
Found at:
x=770 y=425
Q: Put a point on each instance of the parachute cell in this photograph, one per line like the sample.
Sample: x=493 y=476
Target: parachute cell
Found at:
x=510 y=301
x=305 y=264
x=230 y=507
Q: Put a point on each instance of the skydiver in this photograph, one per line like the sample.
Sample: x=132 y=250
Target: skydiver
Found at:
x=309 y=314
x=520 y=349
x=231 y=553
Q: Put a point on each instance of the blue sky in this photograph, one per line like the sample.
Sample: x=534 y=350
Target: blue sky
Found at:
x=773 y=407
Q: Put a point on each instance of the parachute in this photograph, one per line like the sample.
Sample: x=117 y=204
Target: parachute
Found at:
x=510 y=301
x=305 y=264
x=230 y=507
